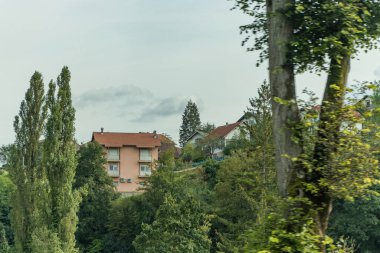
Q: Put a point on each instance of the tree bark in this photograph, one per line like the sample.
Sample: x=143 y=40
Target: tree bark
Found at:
x=327 y=141
x=286 y=115
x=282 y=83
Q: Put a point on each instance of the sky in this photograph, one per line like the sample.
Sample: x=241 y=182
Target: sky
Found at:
x=136 y=63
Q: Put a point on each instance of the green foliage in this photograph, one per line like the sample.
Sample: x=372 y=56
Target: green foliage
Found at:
x=192 y=153
x=44 y=204
x=96 y=246
x=210 y=168
x=244 y=195
x=96 y=204
x=187 y=152
x=353 y=166
x=258 y=29
x=4 y=246
x=235 y=144
x=358 y=220
x=7 y=188
x=190 y=122
x=273 y=235
x=5 y=155
x=207 y=127
x=60 y=162
x=260 y=114
x=45 y=241
x=25 y=162
x=333 y=29
x=127 y=214
x=321 y=28
x=245 y=191
x=124 y=222
x=179 y=226
x=167 y=158
x=257 y=125
x=369 y=105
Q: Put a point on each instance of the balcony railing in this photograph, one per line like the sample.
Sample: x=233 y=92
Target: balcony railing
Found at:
x=145 y=174
x=114 y=173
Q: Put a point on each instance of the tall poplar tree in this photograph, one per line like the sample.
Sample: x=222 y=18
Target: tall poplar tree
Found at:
x=190 y=122
x=27 y=173
x=60 y=161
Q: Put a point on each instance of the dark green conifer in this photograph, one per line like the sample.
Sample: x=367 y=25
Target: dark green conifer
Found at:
x=190 y=122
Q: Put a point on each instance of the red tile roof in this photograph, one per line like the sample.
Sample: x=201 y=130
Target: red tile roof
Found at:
x=222 y=131
x=140 y=140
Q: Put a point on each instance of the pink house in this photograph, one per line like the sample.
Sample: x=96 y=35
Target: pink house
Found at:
x=130 y=157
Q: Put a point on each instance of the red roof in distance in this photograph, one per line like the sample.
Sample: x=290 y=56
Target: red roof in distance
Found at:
x=140 y=140
x=222 y=131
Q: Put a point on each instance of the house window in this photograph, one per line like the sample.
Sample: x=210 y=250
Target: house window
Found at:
x=145 y=155
x=113 y=154
x=145 y=170
x=113 y=169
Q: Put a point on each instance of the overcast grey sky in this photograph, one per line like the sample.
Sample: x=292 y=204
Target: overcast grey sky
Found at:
x=135 y=63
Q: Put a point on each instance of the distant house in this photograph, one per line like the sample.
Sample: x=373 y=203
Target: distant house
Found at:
x=130 y=157
x=226 y=133
x=196 y=137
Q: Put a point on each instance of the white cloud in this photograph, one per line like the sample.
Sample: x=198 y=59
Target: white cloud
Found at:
x=131 y=102
x=125 y=96
x=162 y=108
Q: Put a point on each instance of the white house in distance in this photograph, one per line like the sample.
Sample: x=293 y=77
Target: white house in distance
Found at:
x=196 y=137
x=226 y=133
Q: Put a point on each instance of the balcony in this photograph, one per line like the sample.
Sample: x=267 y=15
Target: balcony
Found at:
x=113 y=173
x=145 y=171
x=146 y=174
x=113 y=170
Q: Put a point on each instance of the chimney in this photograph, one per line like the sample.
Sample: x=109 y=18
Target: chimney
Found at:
x=226 y=123
x=155 y=134
x=101 y=130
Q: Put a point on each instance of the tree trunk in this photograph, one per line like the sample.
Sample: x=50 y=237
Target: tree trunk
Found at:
x=327 y=141
x=286 y=115
x=282 y=83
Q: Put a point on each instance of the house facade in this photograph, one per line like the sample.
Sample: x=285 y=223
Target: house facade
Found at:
x=130 y=158
x=196 y=137
x=226 y=133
